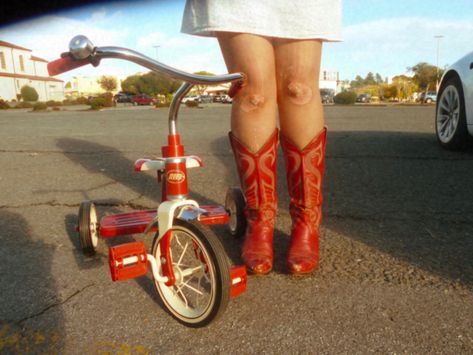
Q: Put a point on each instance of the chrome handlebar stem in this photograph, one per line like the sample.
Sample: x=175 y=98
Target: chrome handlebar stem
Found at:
x=81 y=47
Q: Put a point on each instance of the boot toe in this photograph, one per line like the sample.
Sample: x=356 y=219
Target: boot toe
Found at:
x=301 y=265
x=258 y=265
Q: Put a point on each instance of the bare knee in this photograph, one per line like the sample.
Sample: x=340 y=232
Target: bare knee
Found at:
x=299 y=92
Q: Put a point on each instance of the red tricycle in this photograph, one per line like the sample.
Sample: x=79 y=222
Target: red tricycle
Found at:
x=191 y=271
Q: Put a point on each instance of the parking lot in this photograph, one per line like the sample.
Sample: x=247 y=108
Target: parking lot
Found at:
x=396 y=271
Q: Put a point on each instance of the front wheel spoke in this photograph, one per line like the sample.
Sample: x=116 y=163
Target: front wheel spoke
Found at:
x=180 y=294
x=186 y=284
x=191 y=271
x=182 y=254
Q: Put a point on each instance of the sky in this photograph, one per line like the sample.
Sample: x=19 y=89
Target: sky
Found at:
x=379 y=36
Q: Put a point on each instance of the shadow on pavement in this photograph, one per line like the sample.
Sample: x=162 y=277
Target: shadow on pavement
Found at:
x=395 y=191
x=28 y=291
x=398 y=192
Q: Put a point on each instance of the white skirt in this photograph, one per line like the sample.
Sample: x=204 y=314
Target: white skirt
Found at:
x=296 y=19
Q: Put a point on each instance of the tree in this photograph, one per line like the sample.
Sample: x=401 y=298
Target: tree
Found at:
x=405 y=85
x=358 y=82
x=150 y=83
x=28 y=93
x=425 y=75
x=108 y=83
x=379 y=79
x=370 y=80
x=201 y=88
x=389 y=91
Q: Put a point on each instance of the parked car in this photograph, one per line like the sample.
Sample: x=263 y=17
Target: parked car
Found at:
x=454 y=112
x=218 y=98
x=326 y=95
x=205 y=99
x=122 y=97
x=227 y=100
x=143 y=99
x=428 y=97
x=364 y=98
x=190 y=98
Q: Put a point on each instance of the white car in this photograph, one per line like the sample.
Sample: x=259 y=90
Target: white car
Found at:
x=190 y=98
x=454 y=114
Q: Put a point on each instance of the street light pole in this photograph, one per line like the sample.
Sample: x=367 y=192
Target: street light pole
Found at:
x=438 y=37
x=156 y=47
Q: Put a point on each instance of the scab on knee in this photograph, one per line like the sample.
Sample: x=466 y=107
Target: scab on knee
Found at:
x=299 y=93
x=251 y=102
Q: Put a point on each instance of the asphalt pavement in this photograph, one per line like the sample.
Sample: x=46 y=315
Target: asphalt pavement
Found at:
x=396 y=272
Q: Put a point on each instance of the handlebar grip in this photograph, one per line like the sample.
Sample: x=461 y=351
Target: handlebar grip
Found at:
x=65 y=64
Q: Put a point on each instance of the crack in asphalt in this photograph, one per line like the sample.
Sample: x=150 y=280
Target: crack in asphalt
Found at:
x=387 y=216
x=230 y=154
x=55 y=203
x=44 y=310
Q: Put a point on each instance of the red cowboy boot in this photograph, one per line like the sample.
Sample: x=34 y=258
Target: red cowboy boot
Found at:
x=305 y=170
x=257 y=173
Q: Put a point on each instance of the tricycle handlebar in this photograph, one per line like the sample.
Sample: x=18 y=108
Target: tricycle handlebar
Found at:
x=82 y=52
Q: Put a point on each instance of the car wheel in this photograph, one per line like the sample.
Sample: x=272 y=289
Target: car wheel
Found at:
x=450 y=118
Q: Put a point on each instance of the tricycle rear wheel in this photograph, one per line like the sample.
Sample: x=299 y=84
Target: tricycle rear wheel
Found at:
x=235 y=205
x=88 y=228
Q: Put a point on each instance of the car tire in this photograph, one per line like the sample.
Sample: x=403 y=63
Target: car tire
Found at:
x=450 y=117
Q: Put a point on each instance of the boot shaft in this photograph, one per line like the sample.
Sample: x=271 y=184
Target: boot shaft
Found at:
x=305 y=171
x=257 y=173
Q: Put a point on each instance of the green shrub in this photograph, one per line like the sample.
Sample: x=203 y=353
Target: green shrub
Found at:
x=4 y=105
x=108 y=99
x=40 y=106
x=52 y=103
x=28 y=93
x=192 y=104
x=24 y=105
x=97 y=103
x=82 y=101
x=345 y=98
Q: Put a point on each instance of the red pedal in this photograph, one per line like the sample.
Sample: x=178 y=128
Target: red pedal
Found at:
x=128 y=261
x=238 y=278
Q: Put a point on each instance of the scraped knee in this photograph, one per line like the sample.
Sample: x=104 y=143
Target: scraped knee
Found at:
x=251 y=102
x=299 y=93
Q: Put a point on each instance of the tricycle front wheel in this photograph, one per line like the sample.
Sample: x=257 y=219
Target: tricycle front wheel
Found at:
x=202 y=288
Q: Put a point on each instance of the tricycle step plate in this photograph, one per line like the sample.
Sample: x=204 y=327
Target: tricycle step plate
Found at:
x=137 y=221
x=126 y=223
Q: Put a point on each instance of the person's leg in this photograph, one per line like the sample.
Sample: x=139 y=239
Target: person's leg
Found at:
x=300 y=106
x=303 y=142
x=254 y=108
x=254 y=140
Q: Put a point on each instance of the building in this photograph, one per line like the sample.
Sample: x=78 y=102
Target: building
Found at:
x=19 y=67
x=87 y=86
x=329 y=80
